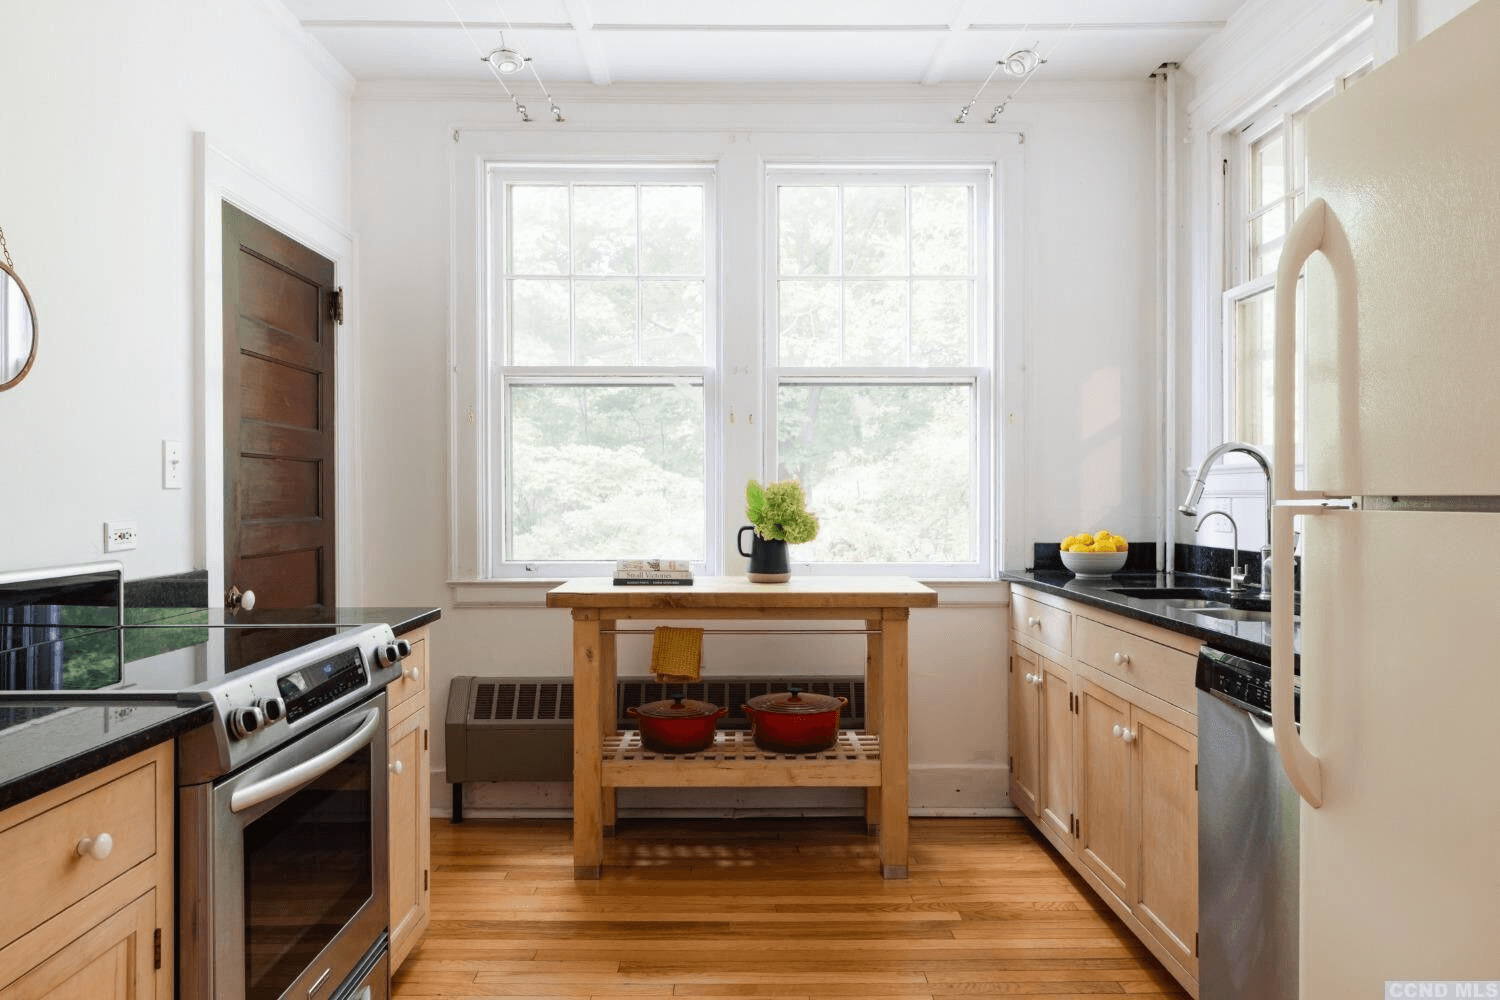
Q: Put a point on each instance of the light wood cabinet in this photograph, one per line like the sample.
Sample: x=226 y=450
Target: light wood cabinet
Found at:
x=409 y=797
x=97 y=924
x=1103 y=747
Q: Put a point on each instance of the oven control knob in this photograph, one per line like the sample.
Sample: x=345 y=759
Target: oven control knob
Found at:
x=394 y=652
x=244 y=721
x=403 y=649
x=273 y=709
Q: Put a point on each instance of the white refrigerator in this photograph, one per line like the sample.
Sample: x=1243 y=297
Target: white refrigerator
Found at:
x=1398 y=759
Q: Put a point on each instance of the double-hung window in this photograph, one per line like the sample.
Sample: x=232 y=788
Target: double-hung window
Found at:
x=879 y=336
x=603 y=409
x=1266 y=170
x=602 y=289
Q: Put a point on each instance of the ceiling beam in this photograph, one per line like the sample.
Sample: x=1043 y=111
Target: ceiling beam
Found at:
x=581 y=15
x=942 y=56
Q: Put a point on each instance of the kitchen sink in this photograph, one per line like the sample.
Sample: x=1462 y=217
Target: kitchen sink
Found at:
x=1211 y=602
x=1234 y=614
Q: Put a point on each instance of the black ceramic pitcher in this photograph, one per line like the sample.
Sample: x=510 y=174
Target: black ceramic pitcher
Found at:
x=768 y=558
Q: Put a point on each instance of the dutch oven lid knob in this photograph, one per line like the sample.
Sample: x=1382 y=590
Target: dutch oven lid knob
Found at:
x=795 y=692
x=677 y=698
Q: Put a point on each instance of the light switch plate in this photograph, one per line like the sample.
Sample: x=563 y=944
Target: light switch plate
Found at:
x=171 y=465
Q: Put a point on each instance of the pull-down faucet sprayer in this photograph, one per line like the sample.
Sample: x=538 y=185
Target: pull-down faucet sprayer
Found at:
x=1190 y=505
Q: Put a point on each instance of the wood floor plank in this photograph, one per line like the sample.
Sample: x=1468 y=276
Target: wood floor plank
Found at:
x=782 y=909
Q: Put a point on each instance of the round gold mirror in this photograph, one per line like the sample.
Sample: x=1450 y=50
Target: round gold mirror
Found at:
x=17 y=329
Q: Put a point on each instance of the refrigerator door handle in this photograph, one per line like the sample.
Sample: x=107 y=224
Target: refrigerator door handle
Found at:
x=1315 y=231
x=1304 y=769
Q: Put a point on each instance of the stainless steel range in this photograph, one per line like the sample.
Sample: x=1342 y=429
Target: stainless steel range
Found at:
x=283 y=860
x=282 y=824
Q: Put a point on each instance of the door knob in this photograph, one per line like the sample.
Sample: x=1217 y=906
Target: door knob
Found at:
x=239 y=600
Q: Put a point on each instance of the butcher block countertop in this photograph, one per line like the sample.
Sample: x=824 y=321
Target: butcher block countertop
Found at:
x=735 y=592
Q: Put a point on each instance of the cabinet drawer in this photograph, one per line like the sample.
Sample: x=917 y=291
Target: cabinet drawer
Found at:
x=53 y=876
x=1038 y=622
x=414 y=671
x=1150 y=666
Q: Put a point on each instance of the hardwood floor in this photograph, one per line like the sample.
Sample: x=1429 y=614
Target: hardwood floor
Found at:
x=763 y=908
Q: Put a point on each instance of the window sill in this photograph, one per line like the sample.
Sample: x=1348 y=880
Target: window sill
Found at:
x=532 y=593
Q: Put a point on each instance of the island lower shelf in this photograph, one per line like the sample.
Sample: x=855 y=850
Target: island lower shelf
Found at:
x=735 y=761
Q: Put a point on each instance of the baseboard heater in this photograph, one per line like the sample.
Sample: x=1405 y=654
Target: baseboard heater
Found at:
x=521 y=728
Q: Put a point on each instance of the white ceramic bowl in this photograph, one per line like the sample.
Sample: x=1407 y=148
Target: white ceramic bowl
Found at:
x=1094 y=563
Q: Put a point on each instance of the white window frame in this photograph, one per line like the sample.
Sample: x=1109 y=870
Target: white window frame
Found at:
x=739 y=438
x=1343 y=61
x=980 y=376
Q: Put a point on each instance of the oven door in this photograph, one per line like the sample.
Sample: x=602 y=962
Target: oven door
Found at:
x=283 y=866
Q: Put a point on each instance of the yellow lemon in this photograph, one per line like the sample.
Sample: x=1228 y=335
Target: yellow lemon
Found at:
x=1065 y=543
x=1120 y=544
x=1100 y=536
x=1104 y=546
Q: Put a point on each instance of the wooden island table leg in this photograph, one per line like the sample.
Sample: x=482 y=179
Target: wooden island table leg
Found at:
x=872 y=716
x=608 y=712
x=588 y=797
x=893 y=752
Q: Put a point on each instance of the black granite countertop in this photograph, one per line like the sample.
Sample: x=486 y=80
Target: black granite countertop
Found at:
x=44 y=744
x=401 y=620
x=1245 y=638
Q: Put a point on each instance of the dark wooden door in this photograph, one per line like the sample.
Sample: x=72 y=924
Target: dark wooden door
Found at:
x=279 y=326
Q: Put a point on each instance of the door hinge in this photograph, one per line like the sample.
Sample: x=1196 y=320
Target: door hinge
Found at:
x=424 y=742
x=1195 y=944
x=424 y=879
x=1195 y=777
x=1010 y=763
x=156 y=948
x=1077 y=825
x=1224 y=167
x=336 y=305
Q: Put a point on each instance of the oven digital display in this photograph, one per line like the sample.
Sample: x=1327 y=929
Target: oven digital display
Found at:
x=311 y=687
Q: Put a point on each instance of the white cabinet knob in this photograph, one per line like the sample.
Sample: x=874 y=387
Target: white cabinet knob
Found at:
x=413 y=674
x=397 y=767
x=1037 y=679
x=96 y=847
x=1122 y=659
x=1128 y=736
x=1033 y=621
x=1118 y=730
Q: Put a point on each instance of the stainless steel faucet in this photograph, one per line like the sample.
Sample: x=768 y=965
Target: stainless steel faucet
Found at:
x=1236 y=571
x=1190 y=505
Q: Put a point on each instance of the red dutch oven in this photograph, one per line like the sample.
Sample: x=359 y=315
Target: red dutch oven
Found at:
x=677 y=726
x=794 y=722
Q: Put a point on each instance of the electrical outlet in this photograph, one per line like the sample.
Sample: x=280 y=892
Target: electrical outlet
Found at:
x=120 y=535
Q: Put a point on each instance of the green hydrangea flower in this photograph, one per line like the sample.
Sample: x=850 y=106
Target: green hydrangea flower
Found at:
x=779 y=512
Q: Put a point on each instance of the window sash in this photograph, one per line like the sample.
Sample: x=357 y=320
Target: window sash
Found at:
x=976 y=375
x=505 y=375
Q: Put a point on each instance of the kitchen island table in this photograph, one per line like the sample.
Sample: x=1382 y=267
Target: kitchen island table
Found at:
x=875 y=758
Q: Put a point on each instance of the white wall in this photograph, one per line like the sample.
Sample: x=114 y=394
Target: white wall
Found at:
x=1267 y=44
x=1081 y=444
x=98 y=200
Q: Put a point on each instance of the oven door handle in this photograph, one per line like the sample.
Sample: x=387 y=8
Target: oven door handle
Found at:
x=253 y=795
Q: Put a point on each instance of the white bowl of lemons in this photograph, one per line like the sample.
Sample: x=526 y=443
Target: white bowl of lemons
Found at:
x=1101 y=554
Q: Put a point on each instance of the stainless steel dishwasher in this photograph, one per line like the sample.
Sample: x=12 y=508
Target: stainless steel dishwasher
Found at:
x=1248 y=816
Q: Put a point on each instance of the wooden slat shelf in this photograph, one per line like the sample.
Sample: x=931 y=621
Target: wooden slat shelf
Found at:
x=735 y=761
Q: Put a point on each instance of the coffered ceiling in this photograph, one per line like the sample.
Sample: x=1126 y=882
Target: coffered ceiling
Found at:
x=759 y=41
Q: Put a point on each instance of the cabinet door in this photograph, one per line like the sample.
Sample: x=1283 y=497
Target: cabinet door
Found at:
x=1167 y=822
x=1055 y=808
x=410 y=833
x=1106 y=836
x=113 y=960
x=1025 y=730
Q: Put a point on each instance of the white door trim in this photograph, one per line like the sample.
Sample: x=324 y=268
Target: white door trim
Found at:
x=221 y=178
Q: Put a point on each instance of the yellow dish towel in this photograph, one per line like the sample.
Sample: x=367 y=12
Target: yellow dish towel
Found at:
x=676 y=654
